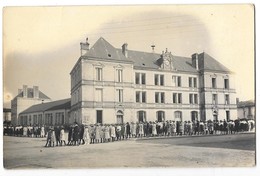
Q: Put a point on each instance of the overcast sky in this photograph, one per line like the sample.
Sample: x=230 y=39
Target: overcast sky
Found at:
x=41 y=44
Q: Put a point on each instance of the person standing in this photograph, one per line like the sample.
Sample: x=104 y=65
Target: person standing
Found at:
x=112 y=132
x=86 y=136
x=141 y=130
x=107 y=134
x=128 y=130
x=57 y=135
x=48 y=139
x=154 y=131
x=97 y=133
x=53 y=137
x=76 y=134
x=123 y=131
x=62 y=136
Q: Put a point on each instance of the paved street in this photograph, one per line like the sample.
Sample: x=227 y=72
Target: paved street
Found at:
x=199 y=151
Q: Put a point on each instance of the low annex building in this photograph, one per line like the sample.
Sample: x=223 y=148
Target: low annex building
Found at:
x=115 y=85
x=51 y=113
x=246 y=109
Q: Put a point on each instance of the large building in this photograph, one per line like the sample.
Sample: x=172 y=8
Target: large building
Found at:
x=51 y=113
x=26 y=97
x=114 y=85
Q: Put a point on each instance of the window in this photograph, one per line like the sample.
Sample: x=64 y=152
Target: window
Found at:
x=226 y=83
x=160 y=116
x=40 y=119
x=119 y=75
x=99 y=95
x=179 y=81
x=140 y=97
x=99 y=116
x=99 y=74
x=196 y=98
x=191 y=98
x=179 y=98
x=194 y=82
x=228 y=115
x=194 y=116
x=214 y=83
x=119 y=95
x=174 y=98
x=190 y=82
x=35 y=119
x=174 y=81
x=59 y=119
x=159 y=97
x=141 y=116
x=214 y=99
x=226 y=99
x=158 y=80
x=140 y=78
x=178 y=116
x=119 y=117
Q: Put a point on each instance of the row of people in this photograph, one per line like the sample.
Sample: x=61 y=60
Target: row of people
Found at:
x=102 y=133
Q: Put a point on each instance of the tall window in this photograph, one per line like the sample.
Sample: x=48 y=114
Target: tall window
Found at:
x=140 y=78
x=99 y=95
x=191 y=98
x=158 y=80
x=141 y=115
x=196 y=98
x=174 y=81
x=214 y=99
x=190 y=82
x=160 y=116
x=140 y=97
x=214 y=83
x=227 y=115
x=177 y=98
x=226 y=83
x=178 y=81
x=119 y=117
x=99 y=74
x=119 y=75
x=119 y=95
x=194 y=82
x=159 y=97
x=226 y=99
x=178 y=116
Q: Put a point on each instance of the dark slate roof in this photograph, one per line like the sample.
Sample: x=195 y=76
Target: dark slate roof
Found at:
x=30 y=94
x=212 y=64
x=248 y=103
x=54 y=105
x=102 y=49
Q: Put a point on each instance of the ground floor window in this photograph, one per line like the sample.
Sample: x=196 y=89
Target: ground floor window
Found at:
x=59 y=118
x=227 y=115
x=160 y=116
x=119 y=117
x=215 y=117
x=141 y=116
x=194 y=116
x=99 y=117
x=178 y=116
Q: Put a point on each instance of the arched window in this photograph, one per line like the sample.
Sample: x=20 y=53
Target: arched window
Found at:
x=141 y=116
x=119 y=117
x=194 y=116
x=178 y=116
x=160 y=116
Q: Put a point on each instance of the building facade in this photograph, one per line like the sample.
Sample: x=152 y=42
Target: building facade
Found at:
x=115 y=85
x=246 y=109
x=6 y=115
x=26 y=97
x=51 y=113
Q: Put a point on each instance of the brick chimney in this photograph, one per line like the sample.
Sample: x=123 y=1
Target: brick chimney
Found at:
x=35 y=92
x=124 y=50
x=195 y=61
x=20 y=91
x=84 y=47
x=25 y=91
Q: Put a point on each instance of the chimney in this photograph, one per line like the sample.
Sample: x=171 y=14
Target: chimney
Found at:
x=25 y=91
x=20 y=91
x=153 y=46
x=124 y=50
x=84 y=47
x=195 y=61
x=35 y=92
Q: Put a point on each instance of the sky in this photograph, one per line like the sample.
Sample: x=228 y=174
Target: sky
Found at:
x=41 y=44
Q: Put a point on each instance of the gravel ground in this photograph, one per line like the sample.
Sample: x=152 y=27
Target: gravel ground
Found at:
x=202 y=151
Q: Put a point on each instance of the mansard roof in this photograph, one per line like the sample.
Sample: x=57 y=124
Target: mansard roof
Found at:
x=30 y=94
x=54 y=105
x=103 y=50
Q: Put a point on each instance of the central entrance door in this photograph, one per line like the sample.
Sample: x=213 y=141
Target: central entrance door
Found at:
x=99 y=116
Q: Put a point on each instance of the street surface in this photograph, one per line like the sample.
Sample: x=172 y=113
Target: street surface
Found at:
x=193 y=151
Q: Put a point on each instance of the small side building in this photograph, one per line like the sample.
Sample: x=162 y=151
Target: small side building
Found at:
x=26 y=97
x=246 y=109
x=52 y=113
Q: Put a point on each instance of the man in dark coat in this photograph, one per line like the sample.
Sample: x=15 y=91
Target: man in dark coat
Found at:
x=76 y=134
x=57 y=135
x=128 y=133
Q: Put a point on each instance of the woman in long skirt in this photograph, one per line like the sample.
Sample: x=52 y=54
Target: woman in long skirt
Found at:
x=97 y=134
x=112 y=132
x=53 y=137
x=133 y=129
x=107 y=135
x=141 y=130
x=86 y=135
x=154 y=132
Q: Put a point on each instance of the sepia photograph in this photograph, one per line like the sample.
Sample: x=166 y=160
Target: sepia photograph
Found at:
x=129 y=86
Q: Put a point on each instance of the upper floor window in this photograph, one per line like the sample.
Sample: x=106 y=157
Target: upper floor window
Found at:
x=158 y=79
x=119 y=95
x=226 y=99
x=176 y=81
x=226 y=83
x=214 y=99
x=99 y=95
x=140 y=78
x=98 y=74
x=193 y=98
x=119 y=75
x=140 y=97
x=214 y=83
x=159 y=97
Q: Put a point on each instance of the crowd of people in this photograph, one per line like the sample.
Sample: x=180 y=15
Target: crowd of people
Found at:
x=78 y=134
